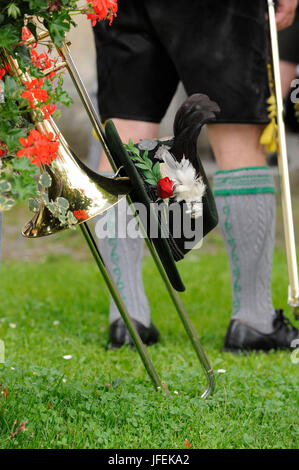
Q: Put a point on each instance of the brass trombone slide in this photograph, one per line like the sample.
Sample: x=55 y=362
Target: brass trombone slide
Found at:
x=293 y=293
x=95 y=120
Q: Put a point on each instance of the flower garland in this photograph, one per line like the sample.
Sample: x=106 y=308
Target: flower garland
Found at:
x=24 y=147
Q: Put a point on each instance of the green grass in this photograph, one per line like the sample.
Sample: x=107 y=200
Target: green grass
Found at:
x=104 y=399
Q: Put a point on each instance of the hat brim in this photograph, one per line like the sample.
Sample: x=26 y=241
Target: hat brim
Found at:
x=139 y=194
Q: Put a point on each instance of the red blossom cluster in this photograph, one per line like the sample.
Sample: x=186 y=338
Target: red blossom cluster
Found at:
x=3 y=391
x=42 y=62
x=26 y=34
x=48 y=110
x=103 y=9
x=35 y=92
x=40 y=148
x=5 y=69
x=80 y=214
x=2 y=149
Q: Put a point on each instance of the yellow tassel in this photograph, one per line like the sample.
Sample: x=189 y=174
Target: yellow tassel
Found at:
x=94 y=134
x=268 y=136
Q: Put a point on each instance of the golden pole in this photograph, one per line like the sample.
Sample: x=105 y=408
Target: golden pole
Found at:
x=293 y=294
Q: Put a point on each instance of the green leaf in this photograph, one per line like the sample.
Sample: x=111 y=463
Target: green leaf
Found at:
x=10 y=86
x=38 y=4
x=5 y=186
x=62 y=219
x=22 y=54
x=52 y=207
x=146 y=159
x=63 y=96
x=45 y=180
x=13 y=11
x=33 y=205
x=44 y=198
x=12 y=139
x=8 y=36
x=58 y=26
x=156 y=171
x=148 y=174
x=6 y=203
x=23 y=165
x=32 y=29
x=151 y=181
x=136 y=158
x=62 y=203
x=71 y=218
x=23 y=186
x=142 y=166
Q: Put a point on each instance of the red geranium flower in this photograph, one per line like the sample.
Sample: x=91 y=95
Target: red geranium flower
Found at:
x=2 y=149
x=41 y=149
x=2 y=73
x=48 y=110
x=165 y=188
x=80 y=214
x=35 y=92
x=51 y=75
x=26 y=34
x=103 y=9
x=41 y=61
x=3 y=391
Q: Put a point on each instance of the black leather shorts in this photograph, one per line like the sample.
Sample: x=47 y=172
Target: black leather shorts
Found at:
x=216 y=47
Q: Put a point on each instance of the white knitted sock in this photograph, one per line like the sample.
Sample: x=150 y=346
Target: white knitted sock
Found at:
x=246 y=206
x=123 y=257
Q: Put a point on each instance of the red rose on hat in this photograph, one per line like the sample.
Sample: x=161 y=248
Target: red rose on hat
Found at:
x=165 y=188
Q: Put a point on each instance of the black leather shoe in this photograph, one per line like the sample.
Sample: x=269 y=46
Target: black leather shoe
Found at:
x=242 y=337
x=118 y=333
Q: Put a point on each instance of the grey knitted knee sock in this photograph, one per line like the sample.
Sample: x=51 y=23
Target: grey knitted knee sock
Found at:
x=123 y=257
x=246 y=205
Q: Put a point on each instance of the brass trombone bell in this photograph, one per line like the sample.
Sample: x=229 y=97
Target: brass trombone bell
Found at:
x=88 y=193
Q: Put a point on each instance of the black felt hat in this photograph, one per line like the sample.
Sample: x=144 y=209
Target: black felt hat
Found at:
x=179 y=151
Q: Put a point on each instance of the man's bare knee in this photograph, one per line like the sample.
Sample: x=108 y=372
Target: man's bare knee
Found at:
x=237 y=145
x=129 y=129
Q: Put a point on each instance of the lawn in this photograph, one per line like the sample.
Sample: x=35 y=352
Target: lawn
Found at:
x=56 y=306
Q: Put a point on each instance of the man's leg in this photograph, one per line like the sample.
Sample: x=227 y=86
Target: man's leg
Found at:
x=244 y=193
x=123 y=256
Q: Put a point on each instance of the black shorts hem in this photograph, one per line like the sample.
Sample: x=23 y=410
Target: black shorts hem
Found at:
x=242 y=121
x=106 y=116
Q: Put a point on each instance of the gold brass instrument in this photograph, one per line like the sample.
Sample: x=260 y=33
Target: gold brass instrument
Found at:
x=293 y=294
x=70 y=178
